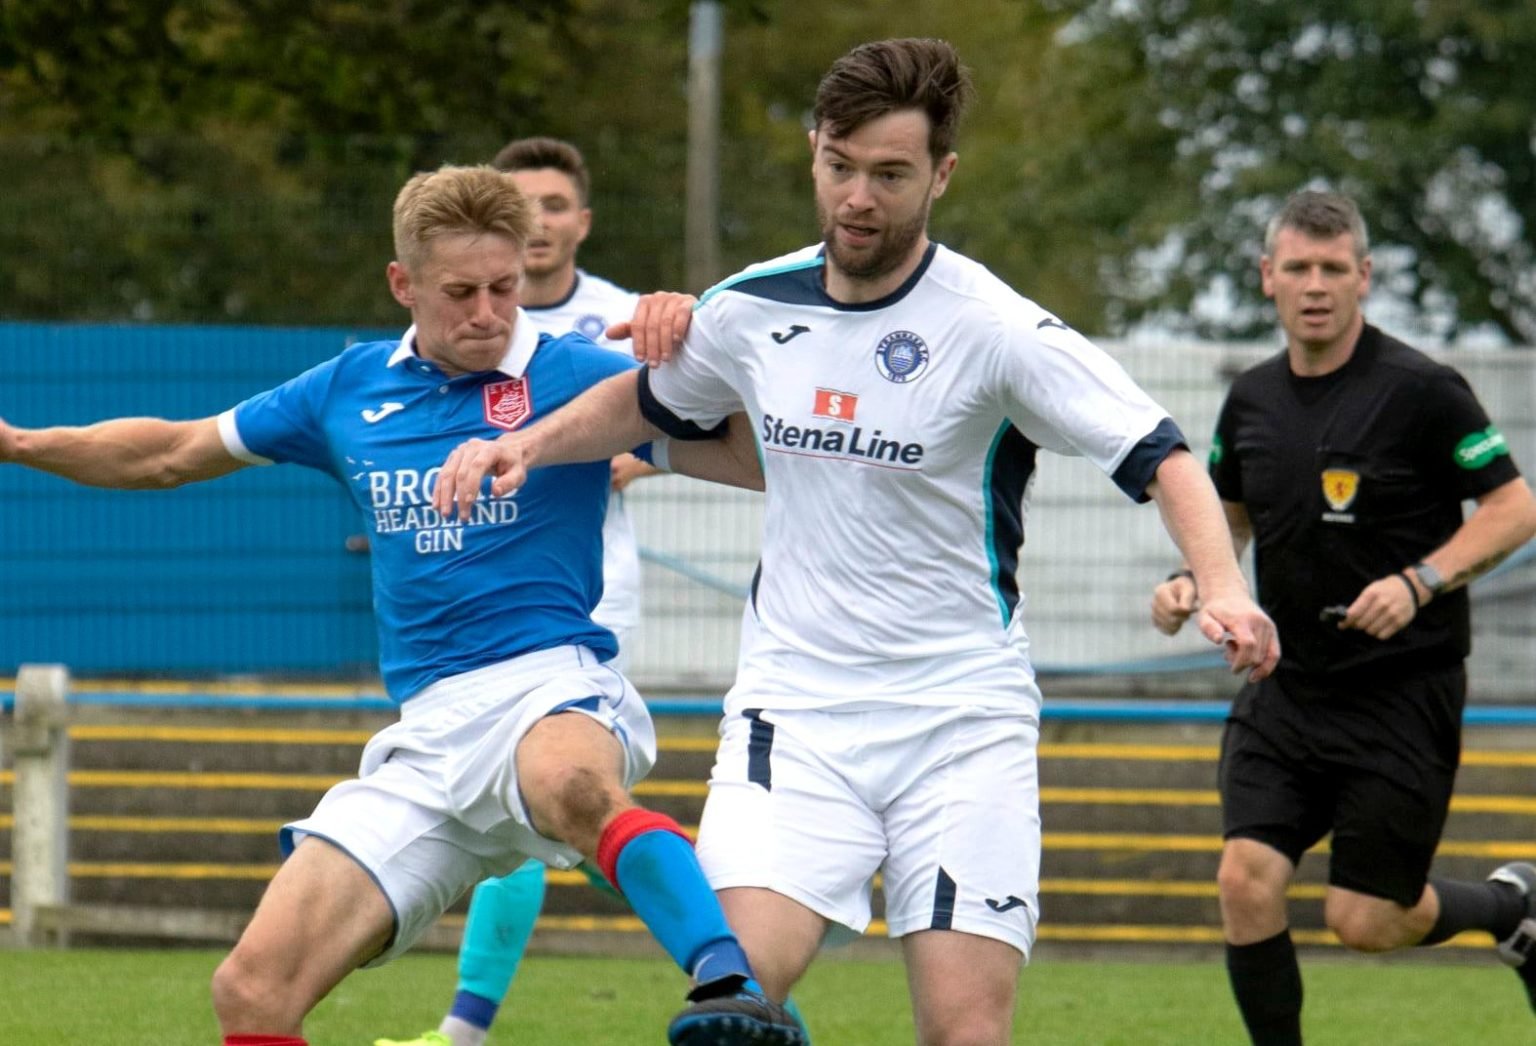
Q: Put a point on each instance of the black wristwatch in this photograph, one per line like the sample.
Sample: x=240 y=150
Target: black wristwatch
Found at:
x=1429 y=577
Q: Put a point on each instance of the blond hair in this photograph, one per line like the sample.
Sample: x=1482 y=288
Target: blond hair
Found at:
x=476 y=200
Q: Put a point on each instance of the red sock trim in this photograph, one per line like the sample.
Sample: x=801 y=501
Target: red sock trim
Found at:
x=624 y=828
x=263 y=1040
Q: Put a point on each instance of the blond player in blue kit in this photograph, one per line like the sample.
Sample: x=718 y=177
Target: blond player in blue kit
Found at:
x=885 y=716
x=556 y=297
x=517 y=738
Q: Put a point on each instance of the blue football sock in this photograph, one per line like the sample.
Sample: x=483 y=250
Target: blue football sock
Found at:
x=661 y=880
x=474 y=1009
x=500 y=922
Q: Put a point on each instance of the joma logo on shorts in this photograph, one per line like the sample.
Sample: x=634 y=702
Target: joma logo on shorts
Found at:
x=1006 y=905
x=1478 y=449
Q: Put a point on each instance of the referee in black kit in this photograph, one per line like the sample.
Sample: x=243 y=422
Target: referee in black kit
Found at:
x=1347 y=457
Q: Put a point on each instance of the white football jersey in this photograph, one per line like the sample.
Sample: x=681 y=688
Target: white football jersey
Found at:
x=590 y=308
x=898 y=441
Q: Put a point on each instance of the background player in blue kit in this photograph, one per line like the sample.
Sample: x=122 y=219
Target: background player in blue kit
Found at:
x=1346 y=458
x=516 y=739
x=885 y=715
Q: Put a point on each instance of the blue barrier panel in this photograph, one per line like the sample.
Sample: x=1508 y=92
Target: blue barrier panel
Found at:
x=245 y=574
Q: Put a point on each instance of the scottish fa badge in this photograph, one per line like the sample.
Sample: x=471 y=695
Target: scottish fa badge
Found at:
x=901 y=357
x=1340 y=486
x=592 y=325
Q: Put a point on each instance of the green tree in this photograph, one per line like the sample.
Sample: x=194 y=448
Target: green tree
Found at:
x=1425 y=111
x=236 y=159
x=218 y=160
x=197 y=160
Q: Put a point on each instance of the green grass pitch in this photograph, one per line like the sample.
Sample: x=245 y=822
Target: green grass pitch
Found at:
x=160 y=998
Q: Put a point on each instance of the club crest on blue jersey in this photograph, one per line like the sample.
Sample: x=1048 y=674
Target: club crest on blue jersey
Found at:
x=508 y=403
x=592 y=325
x=901 y=357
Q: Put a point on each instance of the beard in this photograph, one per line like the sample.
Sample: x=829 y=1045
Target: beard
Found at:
x=885 y=256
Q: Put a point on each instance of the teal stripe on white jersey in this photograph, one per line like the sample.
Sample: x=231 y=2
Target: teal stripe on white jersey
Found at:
x=802 y=260
x=1004 y=607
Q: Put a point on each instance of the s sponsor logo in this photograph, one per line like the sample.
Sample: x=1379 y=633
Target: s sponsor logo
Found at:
x=901 y=357
x=1480 y=448
x=1218 y=450
x=839 y=406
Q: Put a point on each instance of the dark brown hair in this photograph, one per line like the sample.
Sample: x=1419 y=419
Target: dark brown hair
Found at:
x=530 y=154
x=889 y=75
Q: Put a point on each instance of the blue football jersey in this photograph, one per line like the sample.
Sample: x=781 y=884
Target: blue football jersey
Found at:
x=524 y=571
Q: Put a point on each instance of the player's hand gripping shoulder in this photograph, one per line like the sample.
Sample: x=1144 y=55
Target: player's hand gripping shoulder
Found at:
x=657 y=327
x=506 y=459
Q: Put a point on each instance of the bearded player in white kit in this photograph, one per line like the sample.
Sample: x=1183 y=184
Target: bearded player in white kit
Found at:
x=885 y=716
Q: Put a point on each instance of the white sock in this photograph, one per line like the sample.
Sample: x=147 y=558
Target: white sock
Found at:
x=462 y=1033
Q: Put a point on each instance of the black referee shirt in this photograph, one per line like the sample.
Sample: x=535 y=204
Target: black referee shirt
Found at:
x=1350 y=477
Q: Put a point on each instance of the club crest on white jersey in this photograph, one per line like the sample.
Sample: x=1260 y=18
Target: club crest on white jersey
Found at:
x=901 y=357
x=508 y=403
x=592 y=325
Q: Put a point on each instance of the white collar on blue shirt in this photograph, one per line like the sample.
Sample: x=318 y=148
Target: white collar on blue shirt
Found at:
x=525 y=338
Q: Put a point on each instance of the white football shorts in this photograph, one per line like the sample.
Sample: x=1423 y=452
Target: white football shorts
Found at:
x=945 y=801
x=435 y=807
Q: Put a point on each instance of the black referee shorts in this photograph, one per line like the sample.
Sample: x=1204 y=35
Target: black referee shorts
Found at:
x=1373 y=760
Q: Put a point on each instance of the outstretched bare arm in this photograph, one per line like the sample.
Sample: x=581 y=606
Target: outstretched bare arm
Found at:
x=125 y=453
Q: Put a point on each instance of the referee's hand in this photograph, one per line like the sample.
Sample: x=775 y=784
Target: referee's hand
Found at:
x=1172 y=603
x=1384 y=607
